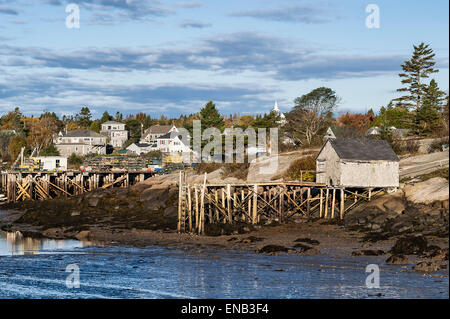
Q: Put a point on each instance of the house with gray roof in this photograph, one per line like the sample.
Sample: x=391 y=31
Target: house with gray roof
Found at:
x=361 y=163
x=80 y=142
x=152 y=134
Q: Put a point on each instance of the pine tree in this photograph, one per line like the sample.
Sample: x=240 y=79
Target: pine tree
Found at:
x=434 y=96
x=210 y=117
x=105 y=117
x=84 y=118
x=428 y=116
x=419 y=67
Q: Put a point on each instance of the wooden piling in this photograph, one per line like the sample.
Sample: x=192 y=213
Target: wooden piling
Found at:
x=333 y=203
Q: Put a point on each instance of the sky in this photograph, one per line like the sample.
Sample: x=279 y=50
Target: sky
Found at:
x=171 y=57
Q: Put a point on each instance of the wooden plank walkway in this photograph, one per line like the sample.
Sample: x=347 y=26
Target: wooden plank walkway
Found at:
x=200 y=204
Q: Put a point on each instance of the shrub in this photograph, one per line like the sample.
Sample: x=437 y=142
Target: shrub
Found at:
x=202 y=168
x=411 y=147
x=297 y=168
x=74 y=161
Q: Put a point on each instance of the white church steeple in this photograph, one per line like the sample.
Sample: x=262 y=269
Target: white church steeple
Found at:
x=277 y=111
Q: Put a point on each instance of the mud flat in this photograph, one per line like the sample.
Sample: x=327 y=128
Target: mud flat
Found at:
x=398 y=227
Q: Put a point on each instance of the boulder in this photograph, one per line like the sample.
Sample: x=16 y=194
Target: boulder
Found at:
x=368 y=252
x=427 y=192
x=410 y=245
x=272 y=249
x=307 y=240
x=427 y=266
x=395 y=204
x=171 y=212
x=93 y=201
x=397 y=260
x=155 y=204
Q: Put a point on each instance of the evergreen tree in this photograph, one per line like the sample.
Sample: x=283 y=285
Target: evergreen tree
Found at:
x=105 y=117
x=17 y=122
x=434 y=96
x=427 y=117
x=419 y=67
x=210 y=117
x=84 y=117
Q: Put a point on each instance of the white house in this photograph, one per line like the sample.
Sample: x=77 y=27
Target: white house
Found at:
x=141 y=148
x=352 y=162
x=172 y=143
x=53 y=163
x=80 y=142
x=116 y=133
x=152 y=134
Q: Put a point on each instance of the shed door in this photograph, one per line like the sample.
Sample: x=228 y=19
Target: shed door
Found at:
x=320 y=171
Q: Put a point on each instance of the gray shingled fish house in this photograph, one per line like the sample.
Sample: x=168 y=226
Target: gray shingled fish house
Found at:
x=357 y=163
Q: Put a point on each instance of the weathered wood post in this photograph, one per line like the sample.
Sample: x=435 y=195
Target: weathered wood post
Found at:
x=326 y=203
x=189 y=204
x=333 y=203
x=197 y=214
x=255 y=204
x=308 y=204
x=320 y=203
x=202 y=207
x=230 y=218
x=341 y=208
x=180 y=186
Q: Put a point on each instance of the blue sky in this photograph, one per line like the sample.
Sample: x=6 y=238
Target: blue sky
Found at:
x=171 y=57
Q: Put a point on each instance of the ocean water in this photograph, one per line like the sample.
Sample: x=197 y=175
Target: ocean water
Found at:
x=31 y=268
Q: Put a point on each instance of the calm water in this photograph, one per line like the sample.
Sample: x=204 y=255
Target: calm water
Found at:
x=37 y=269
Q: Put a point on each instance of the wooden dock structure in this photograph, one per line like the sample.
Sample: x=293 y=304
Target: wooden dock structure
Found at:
x=34 y=185
x=201 y=204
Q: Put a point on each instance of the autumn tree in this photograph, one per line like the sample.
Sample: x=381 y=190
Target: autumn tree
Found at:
x=16 y=144
x=246 y=121
x=358 y=121
x=95 y=126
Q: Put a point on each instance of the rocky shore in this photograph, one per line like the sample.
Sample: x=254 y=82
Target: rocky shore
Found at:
x=405 y=228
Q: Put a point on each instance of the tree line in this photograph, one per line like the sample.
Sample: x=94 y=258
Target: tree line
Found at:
x=422 y=109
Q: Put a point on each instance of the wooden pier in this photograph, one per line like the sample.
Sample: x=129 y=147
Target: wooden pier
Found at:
x=201 y=204
x=20 y=185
